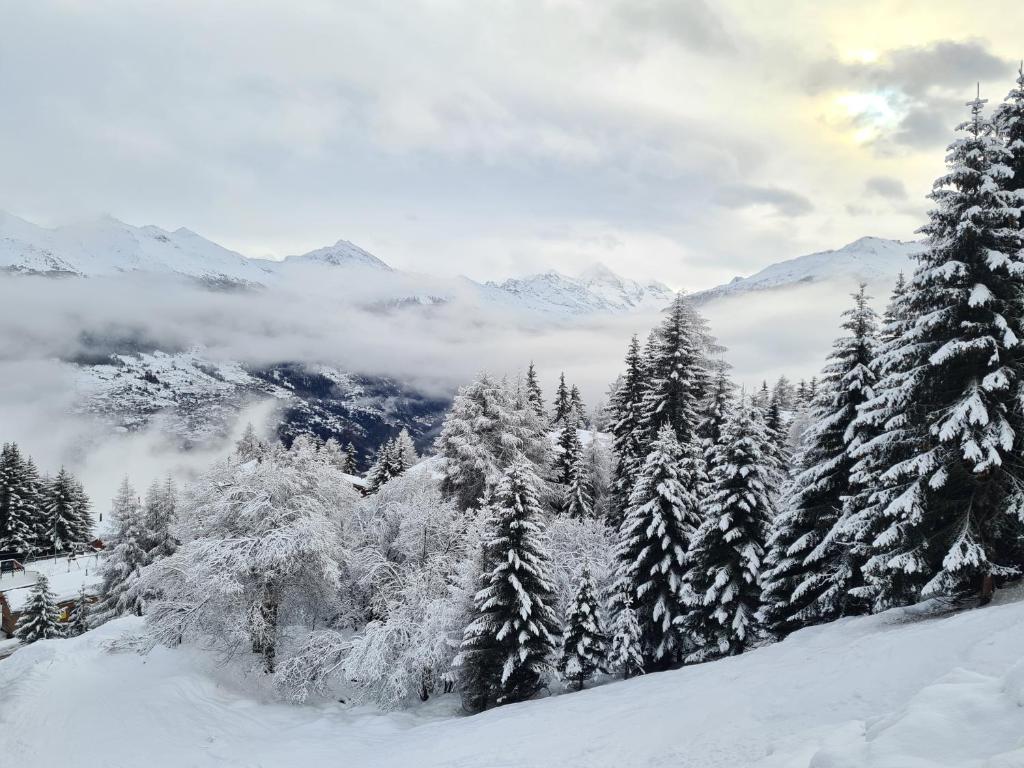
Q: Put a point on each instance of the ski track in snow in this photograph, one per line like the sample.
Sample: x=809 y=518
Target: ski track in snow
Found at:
x=905 y=689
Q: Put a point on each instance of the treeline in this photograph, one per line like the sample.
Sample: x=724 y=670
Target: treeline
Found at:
x=39 y=514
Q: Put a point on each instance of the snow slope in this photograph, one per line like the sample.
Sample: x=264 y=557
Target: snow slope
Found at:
x=913 y=688
x=869 y=259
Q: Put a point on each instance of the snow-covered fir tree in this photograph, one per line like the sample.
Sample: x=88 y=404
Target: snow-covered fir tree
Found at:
x=533 y=391
x=561 y=408
x=810 y=569
x=158 y=516
x=577 y=501
x=727 y=551
x=389 y=465
x=405 y=450
x=721 y=401
x=577 y=410
x=570 y=448
x=18 y=505
x=123 y=562
x=507 y=648
x=67 y=510
x=950 y=524
x=584 y=644
x=626 y=653
x=40 y=618
x=654 y=538
x=332 y=452
x=678 y=374
x=599 y=468
x=627 y=428
x=489 y=426
x=1009 y=121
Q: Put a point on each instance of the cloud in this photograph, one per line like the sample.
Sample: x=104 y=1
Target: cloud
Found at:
x=783 y=201
x=886 y=187
x=694 y=24
x=912 y=96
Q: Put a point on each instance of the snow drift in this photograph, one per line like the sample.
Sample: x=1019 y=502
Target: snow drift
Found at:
x=910 y=687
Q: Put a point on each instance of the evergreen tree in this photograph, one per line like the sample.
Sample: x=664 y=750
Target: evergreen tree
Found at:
x=40 y=619
x=577 y=411
x=578 y=503
x=33 y=488
x=124 y=561
x=677 y=373
x=488 y=427
x=727 y=550
x=626 y=656
x=332 y=452
x=351 y=465
x=533 y=391
x=627 y=429
x=810 y=568
x=952 y=522
x=67 y=513
x=1009 y=120
x=79 y=620
x=584 y=642
x=569 y=450
x=563 y=403
x=17 y=505
x=507 y=647
x=717 y=409
x=653 y=541
x=387 y=466
x=158 y=515
x=405 y=455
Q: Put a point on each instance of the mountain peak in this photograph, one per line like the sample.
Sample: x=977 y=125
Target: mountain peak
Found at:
x=342 y=254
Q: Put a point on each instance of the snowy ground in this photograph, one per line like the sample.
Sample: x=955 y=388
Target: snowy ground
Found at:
x=906 y=689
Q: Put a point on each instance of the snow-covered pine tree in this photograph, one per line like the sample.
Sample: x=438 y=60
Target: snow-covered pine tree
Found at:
x=488 y=427
x=721 y=401
x=386 y=467
x=599 y=463
x=506 y=649
x=533 y=391
x=33 y=487
x=727 y=550
x=351 y=465
x=577 y=502
x=405 y=451
x=653 y=541
x=884 y=436
x=677 y=373
x=627 y=429
x=158 y=514
x=67 y=512
x=953 y=526
x=626 y=654
x=1009 y=121
x=124 y=561
x=40 y=618
x=578 y=411
x=78 y=622
x=17 y=505
x=569 y=450
x=809 y=569
x=562 y=406
x=584 y=644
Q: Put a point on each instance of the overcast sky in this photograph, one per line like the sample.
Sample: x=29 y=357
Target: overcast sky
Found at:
x=687 y=141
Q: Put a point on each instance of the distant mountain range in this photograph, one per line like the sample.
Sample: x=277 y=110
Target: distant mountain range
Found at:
x=107 y=246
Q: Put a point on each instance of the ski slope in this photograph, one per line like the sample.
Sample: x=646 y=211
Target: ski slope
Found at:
x=907 y=689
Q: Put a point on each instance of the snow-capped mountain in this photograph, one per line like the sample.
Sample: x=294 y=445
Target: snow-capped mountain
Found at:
x=341 y=254
x=107 y=246
x=869 y=259
x=597 y=289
